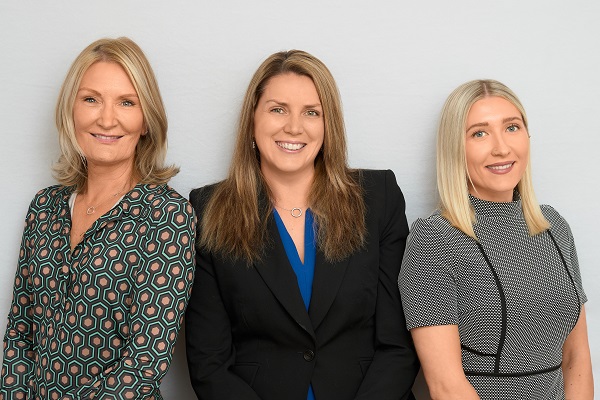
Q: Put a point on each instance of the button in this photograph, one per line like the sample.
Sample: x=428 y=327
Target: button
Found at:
x=309 y=355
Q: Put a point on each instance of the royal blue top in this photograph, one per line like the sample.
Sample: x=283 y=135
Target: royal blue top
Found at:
x=304 y=271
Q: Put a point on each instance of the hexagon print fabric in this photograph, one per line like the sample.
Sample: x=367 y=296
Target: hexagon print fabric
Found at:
x=100 y=321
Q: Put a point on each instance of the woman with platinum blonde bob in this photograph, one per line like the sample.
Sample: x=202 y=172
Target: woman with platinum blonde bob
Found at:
x=107 y=255
x=295 y=292
x=490 y=283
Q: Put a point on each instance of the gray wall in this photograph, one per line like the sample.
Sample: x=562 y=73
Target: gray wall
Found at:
x=395 y=62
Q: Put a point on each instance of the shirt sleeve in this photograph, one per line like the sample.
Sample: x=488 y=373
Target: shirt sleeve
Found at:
x=162 y=287
x=17 y=364
x=427 y=281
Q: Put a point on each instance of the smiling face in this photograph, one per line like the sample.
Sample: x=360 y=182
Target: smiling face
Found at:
x=107 y=115
x=288 y=126
x=497 y=149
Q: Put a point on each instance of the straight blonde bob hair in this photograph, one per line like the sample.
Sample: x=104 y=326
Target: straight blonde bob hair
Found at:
x=71 y=168
x=235 y=218
x=452 y=174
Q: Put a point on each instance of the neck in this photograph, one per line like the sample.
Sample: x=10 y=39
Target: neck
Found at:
x=102 y=180
x=290 y=191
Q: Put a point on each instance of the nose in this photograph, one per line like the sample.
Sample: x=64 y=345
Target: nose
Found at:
x=293 y=125
x=501 y=147
x=107 y=118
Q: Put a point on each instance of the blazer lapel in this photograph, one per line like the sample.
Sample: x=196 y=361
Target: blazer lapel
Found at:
x=326 y=283
x=276 y=271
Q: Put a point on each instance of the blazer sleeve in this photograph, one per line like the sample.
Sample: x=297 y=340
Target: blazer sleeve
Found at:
x=209 y=346
x=395 y=363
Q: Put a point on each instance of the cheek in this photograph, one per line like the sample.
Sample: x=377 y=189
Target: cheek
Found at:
x=134 y=122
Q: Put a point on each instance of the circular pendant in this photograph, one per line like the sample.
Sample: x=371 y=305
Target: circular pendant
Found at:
x=296 y=212
x=90 y=210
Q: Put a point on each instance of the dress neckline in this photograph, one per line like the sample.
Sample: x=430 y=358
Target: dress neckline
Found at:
x=511 y=209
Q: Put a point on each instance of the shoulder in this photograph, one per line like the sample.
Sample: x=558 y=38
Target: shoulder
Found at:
x=163 y=202
x=435 y=234
x=559 y=227
x=434 y=224
x=556 y=220
x=430 y=231
x=199 y=197
x=50 y=197
x=375 y=178
x=379 y=186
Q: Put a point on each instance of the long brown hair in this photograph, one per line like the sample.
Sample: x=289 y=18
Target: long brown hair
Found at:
x=235 y=219
x=71 y=170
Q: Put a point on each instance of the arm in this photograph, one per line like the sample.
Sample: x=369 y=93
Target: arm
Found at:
x=577 y=363
x=209 y=346
x=162 y=286
x=18 y=361
x=395 y=364
x=439 y=351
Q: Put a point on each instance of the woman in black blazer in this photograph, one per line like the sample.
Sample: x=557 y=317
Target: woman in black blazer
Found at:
x=295 y=294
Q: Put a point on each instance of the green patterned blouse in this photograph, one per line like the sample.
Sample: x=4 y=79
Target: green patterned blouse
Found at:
x=100 y=321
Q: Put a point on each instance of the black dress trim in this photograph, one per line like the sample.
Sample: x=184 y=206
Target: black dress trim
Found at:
x=504 y=312
x=516 y=374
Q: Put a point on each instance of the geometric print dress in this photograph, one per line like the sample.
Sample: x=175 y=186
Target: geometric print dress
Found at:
x=514 y=297
x=100 y=321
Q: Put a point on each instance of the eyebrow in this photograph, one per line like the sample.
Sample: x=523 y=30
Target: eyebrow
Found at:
x=282 y=103
x=98 y=93
x=505 y=120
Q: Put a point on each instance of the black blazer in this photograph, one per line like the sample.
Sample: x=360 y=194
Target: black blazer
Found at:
x=249 y=335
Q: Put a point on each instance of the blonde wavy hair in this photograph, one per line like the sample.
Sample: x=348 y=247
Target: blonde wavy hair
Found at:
x=235 y=218
x=452 y=175
x=71 y=168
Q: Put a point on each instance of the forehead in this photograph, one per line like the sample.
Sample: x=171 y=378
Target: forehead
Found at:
x=492 y=107
x=290 y=85
x=106 y=74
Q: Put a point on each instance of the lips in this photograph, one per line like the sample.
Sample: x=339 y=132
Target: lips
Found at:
x=290 y=146
x=500 y=168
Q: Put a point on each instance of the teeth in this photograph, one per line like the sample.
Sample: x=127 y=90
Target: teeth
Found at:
x=106 y=137
x=500 y=167
x=291 y=146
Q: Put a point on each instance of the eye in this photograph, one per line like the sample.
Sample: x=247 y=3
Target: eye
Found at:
x=89 y=99
x=478 y=134
x=127 y=103
x=313 y=113
x=512 y=128
x=277 y=110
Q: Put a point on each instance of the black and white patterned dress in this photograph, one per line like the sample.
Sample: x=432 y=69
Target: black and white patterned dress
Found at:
x=514 y=297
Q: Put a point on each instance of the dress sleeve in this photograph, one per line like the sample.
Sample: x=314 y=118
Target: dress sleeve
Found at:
x=17 y=364
x=209 y=343
x=427 y=281
x=575 y=269
x=563 y=235
x=395 y=363
x=162 y=287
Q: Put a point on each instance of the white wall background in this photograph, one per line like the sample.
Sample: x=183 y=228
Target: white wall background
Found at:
x=395 y=62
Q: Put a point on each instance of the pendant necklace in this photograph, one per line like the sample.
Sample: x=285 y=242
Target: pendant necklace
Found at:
x=92 y=209
x=295 y=212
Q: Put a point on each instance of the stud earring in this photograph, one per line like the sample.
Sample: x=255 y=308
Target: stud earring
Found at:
x=253 y=144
